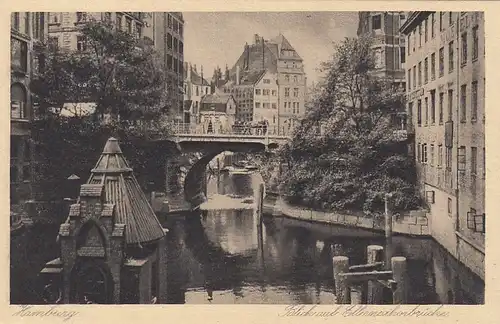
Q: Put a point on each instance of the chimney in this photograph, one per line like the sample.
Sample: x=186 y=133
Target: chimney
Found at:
x=237 y=75
x=257 y=38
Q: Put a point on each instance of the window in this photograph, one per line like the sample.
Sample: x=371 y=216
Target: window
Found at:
x=169 y=41
x=257 y=92
x=169 y=62
x=419 y=152
x=376 y=22
x=180 y=30
x=450 y=57
x=475 y=43
x=169 y=20
x=449 y=157
x=464 y=48
x=425 y=30
x=265 y=92
x=426 y=70
x=266 y=81
x=257 y=104
x=414 y=40
x=432 y=155
x=410 y=112
x=274 y=105
x=450 y=18
x=419 y=74
x=138 y=31
x=287 y=78
x=409 y=79
x=119 y=20
x=409 y=43
x=462 y=158
x=176 y=26
x=81 y=44
x=473 y=116
x=296 y=92
x=440 y=21
x=441 y=102
x=473 y=161
x=440 y=156
x=18 y=55
x=15 y=20
x=414 y=77
x=273 y=92
x=420 y=35
x=18 y=97
x=433 y=66
x=403 y=54
x=433 y=18
x=433 y=107
x=450 y=105
x=450 y=206
x=426 y=111
x=441 y=61
x=287 y=92
x=463 y=103
x=81 y=16
x=419 y=113
x=176 y=45
x=424 y=153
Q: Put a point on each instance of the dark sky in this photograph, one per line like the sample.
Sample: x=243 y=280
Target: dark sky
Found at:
x=218 y=38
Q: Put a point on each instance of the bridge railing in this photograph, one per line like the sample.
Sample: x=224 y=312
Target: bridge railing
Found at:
x=240 y=130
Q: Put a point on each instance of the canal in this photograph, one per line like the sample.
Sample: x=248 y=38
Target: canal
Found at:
x=219 y=256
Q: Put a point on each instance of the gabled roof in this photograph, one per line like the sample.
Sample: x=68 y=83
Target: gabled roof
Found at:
x=122 y=189
x=284 y=45
x=216 y=98
x=252 y=77
x=196 y=79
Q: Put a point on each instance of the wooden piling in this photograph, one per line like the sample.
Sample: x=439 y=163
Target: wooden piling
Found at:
x=260 y=204
x=400 y=276
x=388 y=233
x=341 y=265
x=374 y=294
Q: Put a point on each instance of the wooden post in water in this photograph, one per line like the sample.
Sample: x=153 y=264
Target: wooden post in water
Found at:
x=341 y=265
x=400 y=276
x=375 y=290
x=259 y=204
x=388 y=233
x=218 y=176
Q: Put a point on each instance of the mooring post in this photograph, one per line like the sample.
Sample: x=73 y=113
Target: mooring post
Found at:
x=260 y=204
x=375 y=290
x=388 y=232
x=400 y=276
x=341 y=265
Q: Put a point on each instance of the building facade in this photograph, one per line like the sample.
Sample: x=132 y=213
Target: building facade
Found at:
x=165 y=30
x=27 y=29
x=277 y=59
x=217 y=113
x=195 y=87
x=445 y=84
x=388 y=42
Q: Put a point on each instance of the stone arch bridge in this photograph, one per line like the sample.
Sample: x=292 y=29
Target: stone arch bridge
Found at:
x=203 y=148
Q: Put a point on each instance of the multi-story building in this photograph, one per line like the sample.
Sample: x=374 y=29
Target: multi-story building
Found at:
x=27 y=28
x=195 y=87
x=388 y=42
x=445 y=86
x=165 y=30
x=274 y=61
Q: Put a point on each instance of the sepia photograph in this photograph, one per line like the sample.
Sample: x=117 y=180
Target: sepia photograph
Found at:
x=293 y=157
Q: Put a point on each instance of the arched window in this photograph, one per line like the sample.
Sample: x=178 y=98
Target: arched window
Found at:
x=18 y=97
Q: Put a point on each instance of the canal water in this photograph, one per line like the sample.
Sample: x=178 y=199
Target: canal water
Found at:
x=221 y=257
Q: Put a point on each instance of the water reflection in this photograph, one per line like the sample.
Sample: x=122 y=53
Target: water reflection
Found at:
x=225 y=254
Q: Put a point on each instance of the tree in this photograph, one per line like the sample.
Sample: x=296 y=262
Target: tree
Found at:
x=122 y=80
x=344 y=155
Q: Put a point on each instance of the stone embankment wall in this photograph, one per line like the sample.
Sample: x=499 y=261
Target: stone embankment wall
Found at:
x=414 y=222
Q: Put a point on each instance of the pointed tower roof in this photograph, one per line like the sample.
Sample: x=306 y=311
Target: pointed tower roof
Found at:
x=122 y=189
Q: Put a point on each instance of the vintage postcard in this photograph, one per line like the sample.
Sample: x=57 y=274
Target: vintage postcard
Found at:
x=329 y=162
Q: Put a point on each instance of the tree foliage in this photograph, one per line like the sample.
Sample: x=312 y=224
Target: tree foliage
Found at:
x=344 y=155
x=124 y=81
